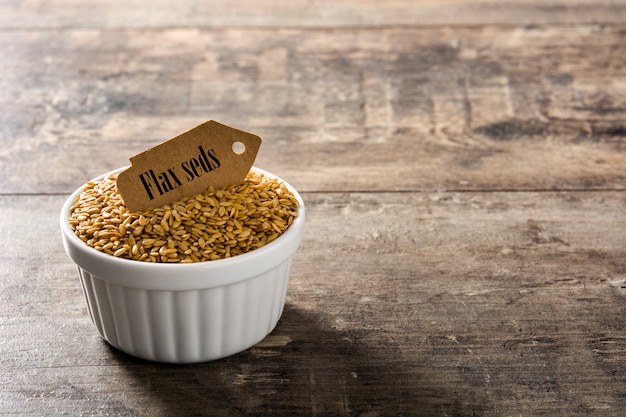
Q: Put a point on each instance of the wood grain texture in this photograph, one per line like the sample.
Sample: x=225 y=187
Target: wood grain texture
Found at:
x=302 y=13
x=399 y=304
x=485 y=108
x=463 y=163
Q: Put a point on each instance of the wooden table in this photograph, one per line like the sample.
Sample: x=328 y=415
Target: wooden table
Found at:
x=464 y=169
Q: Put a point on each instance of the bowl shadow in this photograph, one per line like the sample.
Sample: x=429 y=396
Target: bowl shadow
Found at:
x=304 y=367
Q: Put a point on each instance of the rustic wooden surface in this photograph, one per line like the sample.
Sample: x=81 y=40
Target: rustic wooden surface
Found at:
x=464 y=167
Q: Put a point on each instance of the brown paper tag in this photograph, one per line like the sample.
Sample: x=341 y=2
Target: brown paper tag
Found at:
x=209 y=154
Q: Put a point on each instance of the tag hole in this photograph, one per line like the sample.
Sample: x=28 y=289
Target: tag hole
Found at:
x=239 y=148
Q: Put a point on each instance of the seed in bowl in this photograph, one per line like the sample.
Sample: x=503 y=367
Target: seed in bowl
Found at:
x=214 y=225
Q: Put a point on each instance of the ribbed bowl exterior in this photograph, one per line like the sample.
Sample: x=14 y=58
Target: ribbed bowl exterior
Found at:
x=187 y=326
x=185 y=313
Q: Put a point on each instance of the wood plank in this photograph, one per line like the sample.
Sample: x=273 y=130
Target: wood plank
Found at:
x=496 y=108
x=442 y=272
x=447 y=303
x=302 y=13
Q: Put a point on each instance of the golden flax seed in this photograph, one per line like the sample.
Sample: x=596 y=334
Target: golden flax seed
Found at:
x=214 y=225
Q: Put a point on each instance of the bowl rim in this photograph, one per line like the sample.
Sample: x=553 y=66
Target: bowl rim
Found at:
x=133 y=273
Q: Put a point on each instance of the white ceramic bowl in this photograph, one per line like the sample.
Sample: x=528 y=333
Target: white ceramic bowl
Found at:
x=185 y=313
